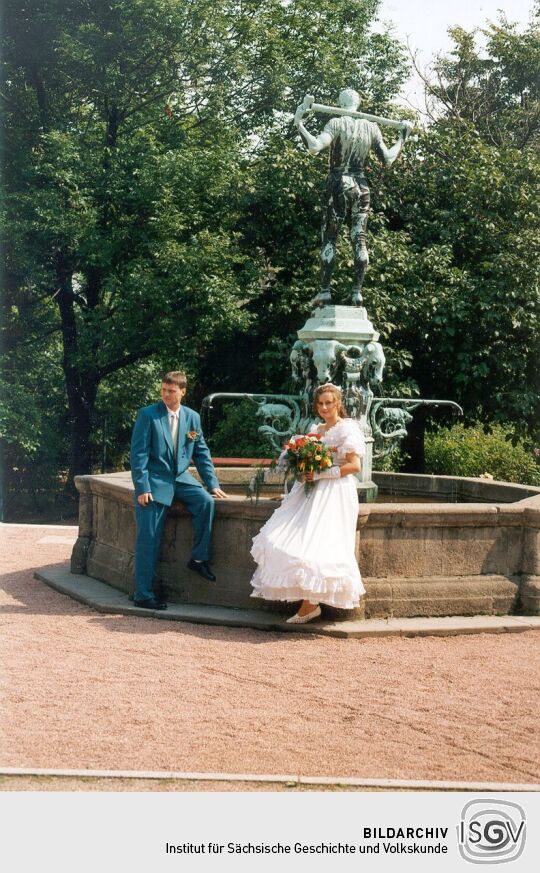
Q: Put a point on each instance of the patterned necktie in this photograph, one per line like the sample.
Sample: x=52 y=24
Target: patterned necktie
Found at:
x=173 y=421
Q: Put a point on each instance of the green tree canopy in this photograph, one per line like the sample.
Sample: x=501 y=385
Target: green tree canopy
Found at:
x=128 y=128
x=469 y=202
x=160 y=211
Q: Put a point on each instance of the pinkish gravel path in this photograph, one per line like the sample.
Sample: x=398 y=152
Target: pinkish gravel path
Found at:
x=84 y=690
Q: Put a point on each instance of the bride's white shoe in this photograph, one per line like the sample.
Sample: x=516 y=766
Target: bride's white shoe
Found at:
x=303 y=619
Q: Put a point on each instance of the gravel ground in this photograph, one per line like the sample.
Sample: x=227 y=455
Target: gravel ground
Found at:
x=84 y=690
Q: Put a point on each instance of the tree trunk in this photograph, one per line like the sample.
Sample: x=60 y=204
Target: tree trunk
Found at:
x=81 y=384
x=81 y=408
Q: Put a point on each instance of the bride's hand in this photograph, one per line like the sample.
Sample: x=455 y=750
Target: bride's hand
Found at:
x=308 y=477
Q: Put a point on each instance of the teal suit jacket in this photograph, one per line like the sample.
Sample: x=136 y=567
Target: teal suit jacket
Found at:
x=153 y=465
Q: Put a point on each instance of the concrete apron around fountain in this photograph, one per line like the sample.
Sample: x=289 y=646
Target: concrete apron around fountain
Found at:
x=417 y=559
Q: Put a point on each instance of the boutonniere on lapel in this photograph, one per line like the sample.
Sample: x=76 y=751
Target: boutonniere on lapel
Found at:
x=192 y=434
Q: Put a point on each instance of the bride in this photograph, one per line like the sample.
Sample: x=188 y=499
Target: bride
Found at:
x=306 y=550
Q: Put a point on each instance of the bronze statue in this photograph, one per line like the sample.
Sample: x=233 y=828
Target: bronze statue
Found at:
x=351 y=135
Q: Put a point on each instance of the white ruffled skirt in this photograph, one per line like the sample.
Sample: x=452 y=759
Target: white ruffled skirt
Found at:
x=306 y=549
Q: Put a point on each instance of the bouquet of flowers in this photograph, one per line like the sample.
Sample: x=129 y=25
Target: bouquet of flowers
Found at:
x=306 y=454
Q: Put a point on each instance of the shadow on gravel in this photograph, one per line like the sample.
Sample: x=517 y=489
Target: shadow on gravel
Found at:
x=34 y=597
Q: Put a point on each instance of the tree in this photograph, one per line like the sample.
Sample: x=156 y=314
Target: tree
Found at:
x=99 y=193
x=455 y=236
x=128 y=126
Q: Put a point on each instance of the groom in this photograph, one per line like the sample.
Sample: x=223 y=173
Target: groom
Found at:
x=166 y=439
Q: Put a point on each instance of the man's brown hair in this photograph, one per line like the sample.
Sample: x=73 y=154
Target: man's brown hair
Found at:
x=175 y=377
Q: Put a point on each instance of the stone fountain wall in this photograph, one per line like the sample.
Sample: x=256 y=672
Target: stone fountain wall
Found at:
x=427 y=559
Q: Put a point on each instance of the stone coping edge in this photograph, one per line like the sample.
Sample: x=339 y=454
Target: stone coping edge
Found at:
x=117 y=487
x=428 y=480
x=287 y=779
x=105 y=599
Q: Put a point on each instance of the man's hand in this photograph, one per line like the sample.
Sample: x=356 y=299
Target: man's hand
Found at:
x=298 y=115
x=145 y=499
x=217 y=492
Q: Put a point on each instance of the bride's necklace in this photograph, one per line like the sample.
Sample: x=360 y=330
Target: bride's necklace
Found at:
x=328 y=427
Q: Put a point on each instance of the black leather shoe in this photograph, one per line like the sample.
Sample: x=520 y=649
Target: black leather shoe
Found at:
x=151 y=603
x=202 y=568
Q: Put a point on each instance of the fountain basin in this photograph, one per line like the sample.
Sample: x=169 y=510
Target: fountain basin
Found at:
x=417 y=559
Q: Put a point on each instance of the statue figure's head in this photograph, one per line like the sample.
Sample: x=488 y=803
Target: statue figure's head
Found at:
x=349 y=99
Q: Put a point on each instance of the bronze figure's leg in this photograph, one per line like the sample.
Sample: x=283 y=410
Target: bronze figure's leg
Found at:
x=334 y=208
x=358 y=229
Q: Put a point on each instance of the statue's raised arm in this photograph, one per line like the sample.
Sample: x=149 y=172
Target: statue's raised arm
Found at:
x=315 y=144
x=350 y=135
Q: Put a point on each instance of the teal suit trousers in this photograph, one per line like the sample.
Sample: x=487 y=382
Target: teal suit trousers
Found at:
x=150 y=520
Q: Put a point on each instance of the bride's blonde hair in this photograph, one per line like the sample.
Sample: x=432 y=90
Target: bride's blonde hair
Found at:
x=329 y=388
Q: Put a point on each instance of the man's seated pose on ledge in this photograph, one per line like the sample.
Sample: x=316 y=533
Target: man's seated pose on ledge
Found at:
x=166 y=439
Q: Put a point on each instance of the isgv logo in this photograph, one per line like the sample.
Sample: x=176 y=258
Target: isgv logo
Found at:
x=491 y=831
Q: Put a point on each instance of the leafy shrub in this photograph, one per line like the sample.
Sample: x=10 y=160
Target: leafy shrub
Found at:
x=470 y=451
x=390 y=463
x=236 y=434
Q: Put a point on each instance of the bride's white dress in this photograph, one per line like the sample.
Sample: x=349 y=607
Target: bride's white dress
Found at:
x=306 y=549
